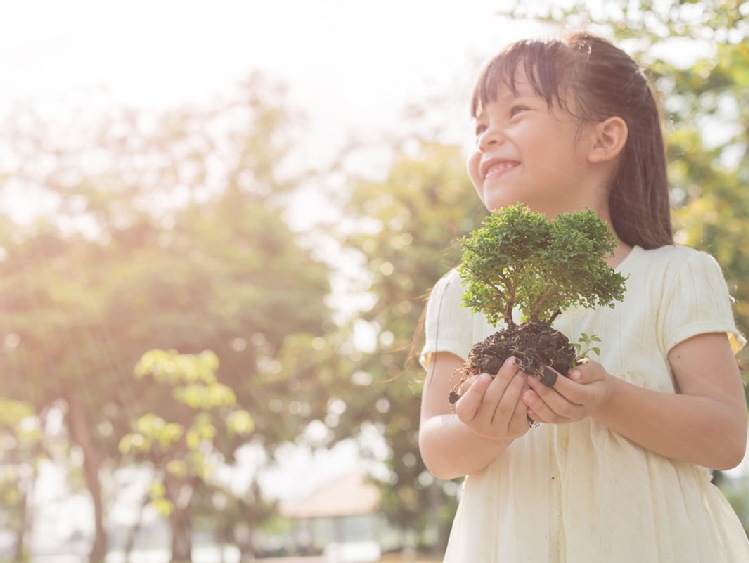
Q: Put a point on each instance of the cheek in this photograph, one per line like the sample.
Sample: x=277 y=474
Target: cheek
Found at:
x=473 y=168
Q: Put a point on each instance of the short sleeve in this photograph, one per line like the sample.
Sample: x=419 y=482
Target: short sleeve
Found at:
x=697 y=301
x=449 y=325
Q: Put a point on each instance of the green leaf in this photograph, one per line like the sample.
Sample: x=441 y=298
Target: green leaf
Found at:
x=177 y=467
x=163 y=507
x=157 y=489
x=239 y=422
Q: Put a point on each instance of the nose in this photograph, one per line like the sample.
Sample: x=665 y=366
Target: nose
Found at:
x=490 y=137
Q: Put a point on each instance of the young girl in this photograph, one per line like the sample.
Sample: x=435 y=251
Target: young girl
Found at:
x=617 y=468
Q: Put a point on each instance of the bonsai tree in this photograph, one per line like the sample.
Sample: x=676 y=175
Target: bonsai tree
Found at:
x=518 y=259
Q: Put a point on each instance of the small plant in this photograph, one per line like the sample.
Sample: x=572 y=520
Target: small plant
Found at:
x=518 y=259
x=584 y=346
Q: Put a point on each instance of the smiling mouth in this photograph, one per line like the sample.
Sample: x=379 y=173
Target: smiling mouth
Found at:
x=496 y=169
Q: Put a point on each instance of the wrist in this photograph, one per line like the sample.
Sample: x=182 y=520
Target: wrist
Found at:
x=609 y=388
x=500 y=441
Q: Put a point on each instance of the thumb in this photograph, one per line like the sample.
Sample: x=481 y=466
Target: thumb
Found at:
x=586 y=371
x=575 y=375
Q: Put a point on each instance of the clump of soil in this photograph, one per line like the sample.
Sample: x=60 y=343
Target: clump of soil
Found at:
x=535 y=345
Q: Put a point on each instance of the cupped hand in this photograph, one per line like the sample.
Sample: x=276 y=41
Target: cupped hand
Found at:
x=587 y=388
x=492 y=407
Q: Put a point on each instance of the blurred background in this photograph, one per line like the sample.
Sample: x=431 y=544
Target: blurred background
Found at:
x=218 y=225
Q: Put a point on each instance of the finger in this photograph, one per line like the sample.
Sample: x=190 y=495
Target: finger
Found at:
x=538 y=411
x=533 y=419
x=467 y=384
x=519 y=423
x=575 y=387
x=469 y=403
x=502 y=380
x=587 y=371
x=506 y=407
x=570 y=388
x=552 y=401
x=496 y=391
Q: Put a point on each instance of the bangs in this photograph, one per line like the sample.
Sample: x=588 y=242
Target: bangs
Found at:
x=543 y=63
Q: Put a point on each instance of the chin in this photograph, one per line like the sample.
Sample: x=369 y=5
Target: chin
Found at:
x=493 y=202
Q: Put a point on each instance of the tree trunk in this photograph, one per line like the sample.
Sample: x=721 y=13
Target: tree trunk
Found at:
x=180 y=491
x=181 y=541
x=26 y=514
x=245 y=542
x=221 y=538
x=81 y=436
x=133 y=533
x=24 y=524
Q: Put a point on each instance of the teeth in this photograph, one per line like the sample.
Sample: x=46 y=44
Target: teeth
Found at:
x=499 y=167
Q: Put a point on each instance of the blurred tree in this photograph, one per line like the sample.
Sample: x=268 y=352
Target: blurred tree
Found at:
x=22 y=447
x=180 y=443
x=405 y=230
x=152 y=232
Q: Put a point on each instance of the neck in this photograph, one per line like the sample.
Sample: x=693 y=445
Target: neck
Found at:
x=621 y=251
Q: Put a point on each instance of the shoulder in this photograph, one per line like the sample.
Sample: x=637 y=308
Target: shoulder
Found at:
x=694 y=297
x=448 y=325
x=673 y=259
x=673 y=272
x=453 y=276
x=691 y=276
x=671 y=253
x=449 y=284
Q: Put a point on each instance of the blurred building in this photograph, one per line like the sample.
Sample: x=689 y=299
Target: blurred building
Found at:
x=341 y=518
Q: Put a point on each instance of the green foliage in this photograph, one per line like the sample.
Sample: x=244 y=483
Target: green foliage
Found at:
x=22 y=447
x=193 y=382
x=169 y=367
x=518 y=258
x=174 y=240
x=585 y=346
x=183 y=452
x=405 y=228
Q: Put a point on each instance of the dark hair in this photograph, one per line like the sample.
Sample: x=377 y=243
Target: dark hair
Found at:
x=599 y=81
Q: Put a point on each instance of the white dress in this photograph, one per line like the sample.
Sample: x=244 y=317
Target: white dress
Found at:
x=580 y=493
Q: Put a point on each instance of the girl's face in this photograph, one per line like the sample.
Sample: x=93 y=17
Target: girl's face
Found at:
x=527 y=153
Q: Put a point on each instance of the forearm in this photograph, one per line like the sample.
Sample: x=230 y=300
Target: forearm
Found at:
x=693 y=428
x=451 y=449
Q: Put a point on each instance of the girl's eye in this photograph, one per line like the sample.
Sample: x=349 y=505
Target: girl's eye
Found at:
x=515 y=110
x=480 y=129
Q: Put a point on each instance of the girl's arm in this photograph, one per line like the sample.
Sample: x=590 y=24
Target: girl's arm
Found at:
x=489 y=416
x=704 y=423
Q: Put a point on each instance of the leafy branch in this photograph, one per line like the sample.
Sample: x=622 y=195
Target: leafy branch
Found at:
x=519 y=258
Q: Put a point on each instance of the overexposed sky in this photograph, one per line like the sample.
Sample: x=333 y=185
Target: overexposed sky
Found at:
x=351 y=65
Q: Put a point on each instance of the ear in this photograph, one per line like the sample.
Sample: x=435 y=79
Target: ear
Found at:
x=609 y=138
